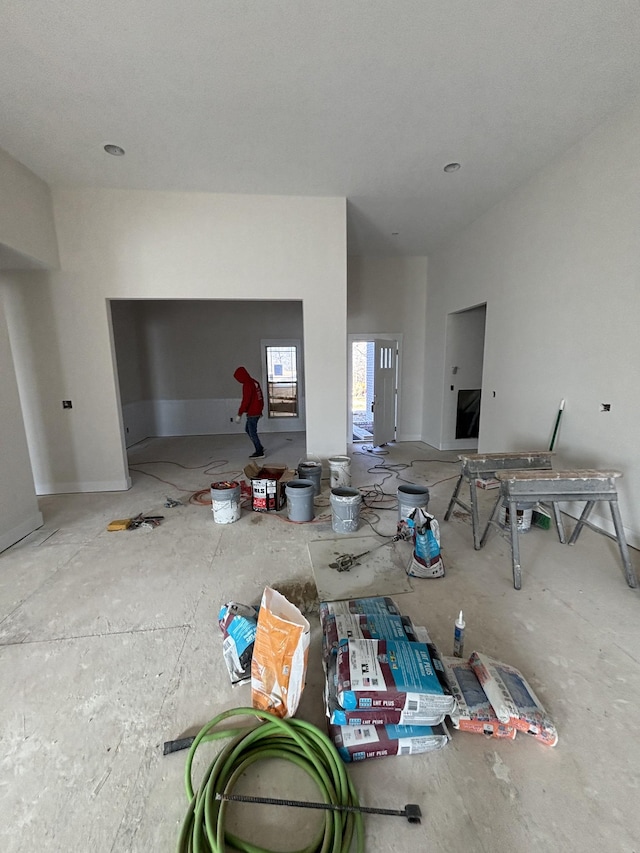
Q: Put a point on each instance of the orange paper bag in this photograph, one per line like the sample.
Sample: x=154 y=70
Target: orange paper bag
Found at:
x=279 y=664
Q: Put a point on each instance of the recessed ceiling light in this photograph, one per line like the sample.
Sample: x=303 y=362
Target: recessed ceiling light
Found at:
x=115 y=150
x=452 y=167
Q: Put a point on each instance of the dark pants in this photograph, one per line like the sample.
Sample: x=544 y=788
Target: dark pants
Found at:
x=251 y=428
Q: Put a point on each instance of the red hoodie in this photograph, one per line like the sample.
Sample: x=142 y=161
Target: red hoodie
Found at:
x=252 y=399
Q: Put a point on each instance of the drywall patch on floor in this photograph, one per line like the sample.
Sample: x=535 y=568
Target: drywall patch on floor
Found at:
x=381 y=572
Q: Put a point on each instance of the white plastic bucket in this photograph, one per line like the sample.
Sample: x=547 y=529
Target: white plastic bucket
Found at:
x=409 y=498
x=524 y=511
x=340 y=468
x=311 y=471
x=345 y=509
x=225 y=502
x=300 y=494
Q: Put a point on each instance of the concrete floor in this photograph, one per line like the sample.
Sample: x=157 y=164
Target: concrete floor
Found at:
x=110 y=646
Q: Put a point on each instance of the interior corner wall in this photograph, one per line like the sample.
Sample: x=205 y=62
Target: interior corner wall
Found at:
x=389 y=295
x=26 y=215
x=558 y=264
x=117 y=244
x=19 y=512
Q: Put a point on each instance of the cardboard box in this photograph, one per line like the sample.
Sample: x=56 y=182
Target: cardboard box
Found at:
x=267 y=486
x=487 y=483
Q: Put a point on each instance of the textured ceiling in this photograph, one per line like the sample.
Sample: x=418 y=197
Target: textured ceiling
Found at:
x=367 y=100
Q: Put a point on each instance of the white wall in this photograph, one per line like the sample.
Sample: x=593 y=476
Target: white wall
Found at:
x=558 y=264
x=140 y=245
x=27 y=239
x=26 y=216
x=19 y=513
x=389 y=295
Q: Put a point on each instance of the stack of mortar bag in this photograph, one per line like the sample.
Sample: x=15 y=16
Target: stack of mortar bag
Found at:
x=386 y=692
x=493 y=698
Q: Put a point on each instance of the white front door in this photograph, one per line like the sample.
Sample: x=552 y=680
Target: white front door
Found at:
x=384 y=401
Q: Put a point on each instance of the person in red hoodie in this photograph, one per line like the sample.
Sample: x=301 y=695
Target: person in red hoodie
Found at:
x=251 y=405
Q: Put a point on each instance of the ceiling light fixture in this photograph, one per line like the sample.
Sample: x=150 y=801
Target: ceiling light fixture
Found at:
x=452 y=167
x=114 y=149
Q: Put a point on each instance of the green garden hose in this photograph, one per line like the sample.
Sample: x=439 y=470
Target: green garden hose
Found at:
x=203 y=829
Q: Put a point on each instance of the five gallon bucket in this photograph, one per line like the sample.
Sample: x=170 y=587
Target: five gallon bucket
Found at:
x=300 y=494
x=340 y=467
x=409 y=498
x=311 y=471
x=345 y=509
x=524 y=512
x=225 y=502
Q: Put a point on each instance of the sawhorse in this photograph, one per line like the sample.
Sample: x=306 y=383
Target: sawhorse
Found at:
x=530 y=487
x=484 y=465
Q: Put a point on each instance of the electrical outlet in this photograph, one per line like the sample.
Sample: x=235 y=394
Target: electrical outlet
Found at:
x=67 y=404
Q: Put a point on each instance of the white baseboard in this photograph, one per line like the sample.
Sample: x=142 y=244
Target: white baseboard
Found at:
x=459 y=444
x=163 y=418
x=90 y=486
x=604 y=522
x=10 y=537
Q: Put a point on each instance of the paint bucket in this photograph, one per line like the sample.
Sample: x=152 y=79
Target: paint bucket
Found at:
x=300 y=495
x=225 y=502
x=340 y=467
x=309 y=470
x=409 y=498
x=524 y=512
x=345 y=509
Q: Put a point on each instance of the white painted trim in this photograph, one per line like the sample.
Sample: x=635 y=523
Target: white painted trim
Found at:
x=458 y=444
x=74 y=488
x=10 y=537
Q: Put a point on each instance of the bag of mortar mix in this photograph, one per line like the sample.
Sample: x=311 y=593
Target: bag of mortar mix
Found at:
x=512 y=698
x=389 y=674
x=238 y=623
x=375 y=604
x=279 y=663
x=473 y=711
x=369 y=716
x=426 y=559
x=359 y=743
x=363 y=626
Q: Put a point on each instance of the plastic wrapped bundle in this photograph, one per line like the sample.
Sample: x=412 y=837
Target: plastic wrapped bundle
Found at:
x=473 y=711
x=359 y=743
x=512 y=698
x=238 y=623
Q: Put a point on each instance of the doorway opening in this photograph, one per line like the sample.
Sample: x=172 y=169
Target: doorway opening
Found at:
x=463 y=377
x=373 y=388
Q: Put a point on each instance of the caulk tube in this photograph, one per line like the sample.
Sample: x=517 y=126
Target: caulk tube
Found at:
x=458 y=636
